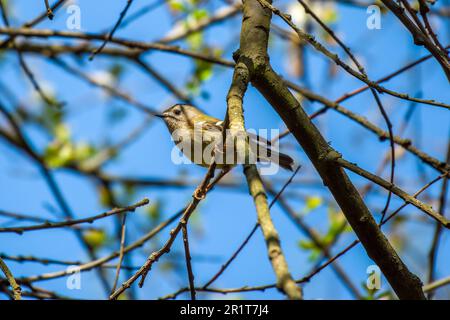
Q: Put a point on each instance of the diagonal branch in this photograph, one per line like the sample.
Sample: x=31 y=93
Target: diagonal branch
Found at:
x=54 y=225
x=440 y=166
x=420 y=38
x=285 y=282
x=25 y=66
x=111 y=33
x=123 y=232
x=12 y=282
x=235 y=117
x=396 y=190
x=187 y=253
x=334 y=57
x=253 y=53
x=198 y=195
x=372 y=90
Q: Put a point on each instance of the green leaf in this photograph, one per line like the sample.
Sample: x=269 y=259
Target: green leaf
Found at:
x=195 y=40
x=50 y=117
x=313 y=202
x=95 y=238
x=104 y=196
x=83 y=151
x=205 y=73
x=176 y=5
x=116 y=70
x=308 y=245
x=329 y=15
x=61 y=132
x=199 y=14
x=57 y=155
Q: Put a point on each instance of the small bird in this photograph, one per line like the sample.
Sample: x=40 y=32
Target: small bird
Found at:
x=197 y=134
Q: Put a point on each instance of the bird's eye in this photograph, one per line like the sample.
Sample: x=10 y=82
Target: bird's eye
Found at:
x=177 y=112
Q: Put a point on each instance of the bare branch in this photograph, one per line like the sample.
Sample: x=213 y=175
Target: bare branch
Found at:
x=54 y=225
x=12 y=282
x=111 y=33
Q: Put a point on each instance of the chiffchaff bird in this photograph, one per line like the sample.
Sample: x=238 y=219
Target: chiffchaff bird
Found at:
x=200 y=138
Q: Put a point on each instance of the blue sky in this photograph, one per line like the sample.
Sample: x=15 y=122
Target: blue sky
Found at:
x=225 y=217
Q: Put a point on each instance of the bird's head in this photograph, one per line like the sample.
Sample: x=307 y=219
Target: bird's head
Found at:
x=180 y=116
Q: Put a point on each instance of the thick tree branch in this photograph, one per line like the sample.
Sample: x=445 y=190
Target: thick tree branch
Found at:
x=285 y=282
x=235 y=119
x=253 y=52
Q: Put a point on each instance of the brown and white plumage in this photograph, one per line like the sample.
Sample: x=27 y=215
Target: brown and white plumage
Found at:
x=187 y=122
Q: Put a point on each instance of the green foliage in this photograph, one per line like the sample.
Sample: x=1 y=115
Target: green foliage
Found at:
x=50 y=117
x=153 y=211
x=195 y=40
x=116 y=70
x=375 y=294
x=183 y=6
x=177 y=5
x=330 y=15
x=95 y=238
x=123 y=296
x=104 y=196
x=62 y=151
x=199 y=14
x=203 y=71
x=309 y=245
x=336 y=225
x=311 y=203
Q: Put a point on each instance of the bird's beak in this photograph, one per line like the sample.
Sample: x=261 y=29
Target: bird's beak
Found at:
x=159 y=115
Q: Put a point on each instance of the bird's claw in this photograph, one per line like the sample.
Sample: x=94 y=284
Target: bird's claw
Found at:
x=199 y=194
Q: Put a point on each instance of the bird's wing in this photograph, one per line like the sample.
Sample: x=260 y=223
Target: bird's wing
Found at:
x=217 y=125
x=213 y=125
x=262 y=147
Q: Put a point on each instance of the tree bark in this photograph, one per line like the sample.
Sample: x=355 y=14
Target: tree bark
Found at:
x=253 y=53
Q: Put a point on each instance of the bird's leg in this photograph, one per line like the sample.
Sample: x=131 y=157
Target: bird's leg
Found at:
x=199 y=194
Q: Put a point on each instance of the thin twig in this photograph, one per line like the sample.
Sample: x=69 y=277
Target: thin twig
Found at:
x=101 y=261
x=111 y=33
x=188 y=258
x=53 y=225
x=372 y=90
x=334 y=57
x=249 y=236
x=50 y=13
x=198 y=195
x=432 y=255
x=12 y=282
x=323 y=266
x=25 y=66
x=363 y=121
x=429 y=288
x=121 y=251
x=396 y=190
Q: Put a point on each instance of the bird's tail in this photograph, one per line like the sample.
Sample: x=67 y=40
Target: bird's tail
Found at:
x=283 y=160
x=286 y=162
